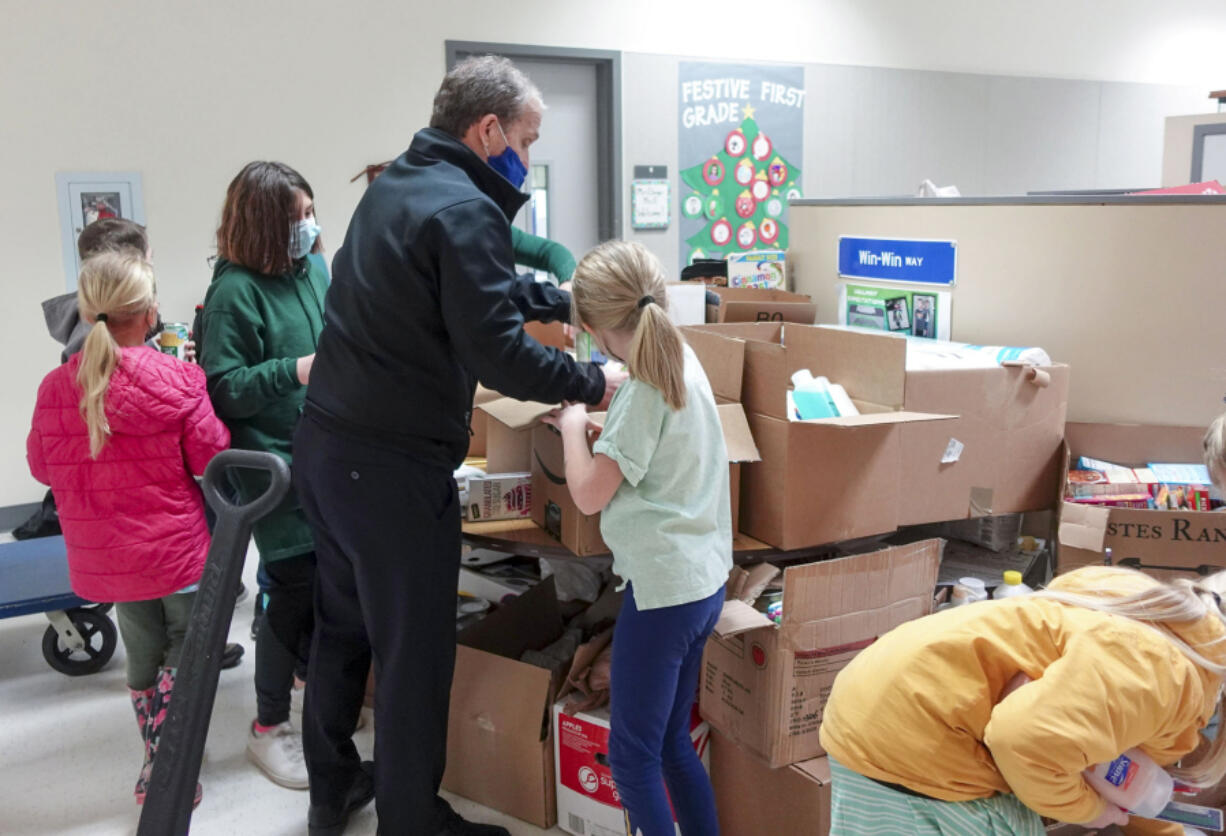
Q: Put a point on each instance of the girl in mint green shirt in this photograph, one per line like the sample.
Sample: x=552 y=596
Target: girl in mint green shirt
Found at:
x=659 y=476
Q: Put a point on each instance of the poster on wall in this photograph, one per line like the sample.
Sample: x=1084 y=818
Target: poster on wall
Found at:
x=912 y=312
x=88 y=196
x=740 y=143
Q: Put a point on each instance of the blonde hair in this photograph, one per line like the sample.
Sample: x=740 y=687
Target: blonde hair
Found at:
x=1178 y=602
x=619 y=286
x=1215 y=451
x=114 y=287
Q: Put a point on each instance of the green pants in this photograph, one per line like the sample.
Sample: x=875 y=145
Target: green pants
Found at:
x=862 y=807
x=153 y=633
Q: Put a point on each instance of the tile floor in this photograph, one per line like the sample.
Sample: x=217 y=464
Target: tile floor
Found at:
x=69 y=751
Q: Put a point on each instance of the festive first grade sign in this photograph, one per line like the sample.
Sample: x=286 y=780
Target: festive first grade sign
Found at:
x=741 y=141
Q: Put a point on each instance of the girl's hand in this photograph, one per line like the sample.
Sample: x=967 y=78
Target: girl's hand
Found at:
x=304 y=368
x=569 y=416
x=1112 y=815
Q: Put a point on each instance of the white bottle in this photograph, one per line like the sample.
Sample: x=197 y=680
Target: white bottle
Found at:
x=842 y=401
x=968 y=591
x=1012 y=586
x=1133 y=782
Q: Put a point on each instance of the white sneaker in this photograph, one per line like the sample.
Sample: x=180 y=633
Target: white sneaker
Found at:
x=278 y=753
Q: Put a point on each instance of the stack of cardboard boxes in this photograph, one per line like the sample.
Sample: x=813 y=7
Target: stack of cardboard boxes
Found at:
x=928 y=446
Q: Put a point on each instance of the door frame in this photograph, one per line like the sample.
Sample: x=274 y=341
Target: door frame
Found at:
x=608 y=66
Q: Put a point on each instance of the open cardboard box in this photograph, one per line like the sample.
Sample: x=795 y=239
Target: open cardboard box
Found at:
x=766 y=685
x=895 y=464
x=499 y=741
x=751 y=304
x=754 y=800
x=477 y=422
x=555 y=511
x=509 y=425
x=1166 y=544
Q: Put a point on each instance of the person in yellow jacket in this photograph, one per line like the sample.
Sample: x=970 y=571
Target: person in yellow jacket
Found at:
x=929 y=733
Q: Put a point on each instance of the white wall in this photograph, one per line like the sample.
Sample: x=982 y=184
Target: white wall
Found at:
x=186 y=94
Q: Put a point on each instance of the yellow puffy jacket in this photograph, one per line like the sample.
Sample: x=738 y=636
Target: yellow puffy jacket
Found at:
x=921 y=706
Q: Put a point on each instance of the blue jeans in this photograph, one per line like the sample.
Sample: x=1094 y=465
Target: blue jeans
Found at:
x=657 y=655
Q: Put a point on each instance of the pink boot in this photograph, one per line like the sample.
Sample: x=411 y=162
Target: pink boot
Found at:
x=157 y=716
x=141 y=703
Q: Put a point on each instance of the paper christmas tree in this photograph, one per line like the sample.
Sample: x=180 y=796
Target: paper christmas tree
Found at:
x=742 y=192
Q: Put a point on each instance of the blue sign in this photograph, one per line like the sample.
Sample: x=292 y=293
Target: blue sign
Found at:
x=898 y=260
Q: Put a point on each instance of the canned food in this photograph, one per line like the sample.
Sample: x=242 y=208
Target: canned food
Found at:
x=173 y=339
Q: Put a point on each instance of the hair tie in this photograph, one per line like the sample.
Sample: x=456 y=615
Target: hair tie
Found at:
x=645 y=301
x=100 y=317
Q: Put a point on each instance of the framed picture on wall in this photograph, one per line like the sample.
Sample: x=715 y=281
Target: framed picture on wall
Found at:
x=87 y=196
x=925 y=314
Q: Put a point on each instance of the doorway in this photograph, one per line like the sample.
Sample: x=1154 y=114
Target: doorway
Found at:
x=576 y=164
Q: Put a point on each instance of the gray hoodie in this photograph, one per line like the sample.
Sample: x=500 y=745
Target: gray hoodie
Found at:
x=64 y=323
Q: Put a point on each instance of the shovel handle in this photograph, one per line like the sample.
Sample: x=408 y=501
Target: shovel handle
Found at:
x=214 y=481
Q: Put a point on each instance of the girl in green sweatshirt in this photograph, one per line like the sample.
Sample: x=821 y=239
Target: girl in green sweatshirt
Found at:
x=262 y=317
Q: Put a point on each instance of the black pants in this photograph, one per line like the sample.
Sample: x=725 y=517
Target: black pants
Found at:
x=387 y=547
x=283 y=642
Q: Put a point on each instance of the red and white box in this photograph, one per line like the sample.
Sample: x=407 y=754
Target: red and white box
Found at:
x=588 y=803
x=499 y=496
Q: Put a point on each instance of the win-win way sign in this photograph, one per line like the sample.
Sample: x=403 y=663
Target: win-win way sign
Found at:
x=898 y=259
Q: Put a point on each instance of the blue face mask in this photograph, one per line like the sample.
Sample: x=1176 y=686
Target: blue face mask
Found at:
x=302 y=237
x=508 y=163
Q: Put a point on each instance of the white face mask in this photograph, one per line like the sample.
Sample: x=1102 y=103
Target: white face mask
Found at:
x=302 y=237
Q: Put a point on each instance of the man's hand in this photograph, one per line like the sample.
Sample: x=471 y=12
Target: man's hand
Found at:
x=304 y=368
x=189 y=352
x=612 y=382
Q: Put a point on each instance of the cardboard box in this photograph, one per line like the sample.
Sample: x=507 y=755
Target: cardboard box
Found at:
x=747 y=304
x=477 y=422
x=754 y=800
x=499 y=739
x=588 y=802
x=1166 y=544
x=766 y=685
x=509 y=424
x=500 y=496
x=554 y=510
x=552 y=334
x=928 y=446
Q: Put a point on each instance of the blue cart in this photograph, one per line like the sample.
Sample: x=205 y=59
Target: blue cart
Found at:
x=34 y=579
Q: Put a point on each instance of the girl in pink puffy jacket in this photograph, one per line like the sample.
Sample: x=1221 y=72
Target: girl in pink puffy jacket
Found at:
x=118 y=432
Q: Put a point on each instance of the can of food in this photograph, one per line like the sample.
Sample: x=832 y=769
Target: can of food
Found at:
x=173 y=339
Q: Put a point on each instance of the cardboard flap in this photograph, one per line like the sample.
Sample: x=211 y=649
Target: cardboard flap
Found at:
x=723 y=359
x=738 y=617
x=756 y=580
x=737 y=436
x=876 y=418
x=1083 y=526
x=523 y=694
x=817 y=770
x=483 y=395
x=871 y=367
x=875 y=581
x=1135 y=444
x=530 y=621
x=518 y=415
x=766 y=332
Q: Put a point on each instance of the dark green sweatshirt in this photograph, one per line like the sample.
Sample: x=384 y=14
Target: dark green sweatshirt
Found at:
x=254 y=329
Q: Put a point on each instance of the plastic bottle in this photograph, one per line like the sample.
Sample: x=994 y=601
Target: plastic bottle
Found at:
x=968 y=591
x=1133 y=782
x=812 y=396
x=1012 y=586
x=841 y=401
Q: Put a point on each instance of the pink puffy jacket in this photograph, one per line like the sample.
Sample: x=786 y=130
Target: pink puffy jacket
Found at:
x=133 y=519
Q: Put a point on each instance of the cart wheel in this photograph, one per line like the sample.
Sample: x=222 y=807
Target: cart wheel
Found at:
x=99 y=635
x=102 y=608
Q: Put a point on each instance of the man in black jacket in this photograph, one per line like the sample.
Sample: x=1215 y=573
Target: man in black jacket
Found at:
x=424 y=303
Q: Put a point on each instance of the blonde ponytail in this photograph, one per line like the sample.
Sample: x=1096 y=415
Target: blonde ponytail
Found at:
x=114 y=288
x=1179 y=602
x=619 y=286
